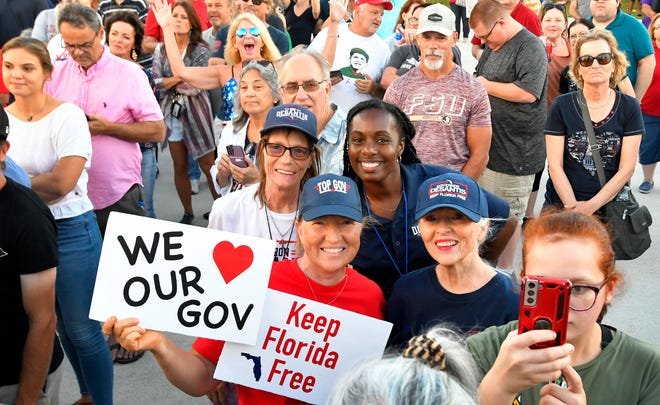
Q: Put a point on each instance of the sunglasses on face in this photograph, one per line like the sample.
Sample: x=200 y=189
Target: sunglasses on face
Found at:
x=309 y=86
x=588 y=60
x=297 y=152
x=255 y=2
x=242 y=32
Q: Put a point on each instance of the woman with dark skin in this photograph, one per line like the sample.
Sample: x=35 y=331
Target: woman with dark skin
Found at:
x=380 y=156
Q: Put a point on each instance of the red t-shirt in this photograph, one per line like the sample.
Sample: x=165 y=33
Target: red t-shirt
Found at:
x=152 y=29
x=651 y=101
x=525 y=16
x=360 y=295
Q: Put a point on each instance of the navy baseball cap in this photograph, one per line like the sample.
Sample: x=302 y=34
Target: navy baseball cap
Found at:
x=452 y=190
x=291 y=116
x=330 y=194
x=4 y=124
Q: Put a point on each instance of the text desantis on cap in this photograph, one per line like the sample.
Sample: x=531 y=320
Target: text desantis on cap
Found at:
x=291 y=112
x=448 y=188
x=334 y=186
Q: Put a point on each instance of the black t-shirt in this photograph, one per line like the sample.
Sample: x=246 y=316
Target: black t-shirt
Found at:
x=28 y=244
x=300 y=28
x=279 y=38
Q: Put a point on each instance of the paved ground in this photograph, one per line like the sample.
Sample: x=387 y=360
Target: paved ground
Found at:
x=635 y=311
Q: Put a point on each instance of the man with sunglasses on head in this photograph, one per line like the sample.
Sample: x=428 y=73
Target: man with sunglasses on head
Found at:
x=448 y=106
x=261 y=9
x=519 y=12
x=632 y=38
x=514 y=70
x=304 y=79
x=356 y=48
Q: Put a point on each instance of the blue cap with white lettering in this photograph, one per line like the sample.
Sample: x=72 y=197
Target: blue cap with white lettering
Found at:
x=330 y=194
x=452 y=190
x=291 y=116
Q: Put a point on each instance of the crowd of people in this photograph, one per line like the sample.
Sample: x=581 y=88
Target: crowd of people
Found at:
x=441 y=168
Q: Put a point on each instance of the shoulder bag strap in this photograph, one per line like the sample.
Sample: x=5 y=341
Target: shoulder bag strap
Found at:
x=593 y=143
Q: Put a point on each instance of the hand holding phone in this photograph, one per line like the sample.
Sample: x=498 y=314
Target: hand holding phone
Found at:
x=236 y=155
x=544 y=305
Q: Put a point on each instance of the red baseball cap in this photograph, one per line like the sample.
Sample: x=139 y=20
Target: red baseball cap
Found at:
x=386 y=3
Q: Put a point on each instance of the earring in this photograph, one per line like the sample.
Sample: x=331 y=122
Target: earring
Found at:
x=398 y=159
x=134 y=55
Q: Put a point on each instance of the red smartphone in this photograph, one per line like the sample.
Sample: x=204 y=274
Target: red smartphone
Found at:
x=237 y=155
x=544 y=305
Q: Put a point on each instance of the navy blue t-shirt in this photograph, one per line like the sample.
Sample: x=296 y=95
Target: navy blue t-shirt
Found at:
x=565 y=119
x=419 y=302
x=373 y=260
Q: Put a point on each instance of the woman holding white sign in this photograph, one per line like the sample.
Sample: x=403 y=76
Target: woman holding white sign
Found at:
x=328 y=223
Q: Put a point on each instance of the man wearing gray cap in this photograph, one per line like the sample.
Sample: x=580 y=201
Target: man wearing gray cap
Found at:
x=448 y=106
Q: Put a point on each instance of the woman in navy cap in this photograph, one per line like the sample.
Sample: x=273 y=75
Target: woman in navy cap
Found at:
x=460 y=288
x=329 y=222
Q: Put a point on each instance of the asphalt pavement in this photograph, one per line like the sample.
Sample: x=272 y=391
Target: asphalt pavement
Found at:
x=635 y=310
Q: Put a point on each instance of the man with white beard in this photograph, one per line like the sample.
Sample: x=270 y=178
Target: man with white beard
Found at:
x=448 y=106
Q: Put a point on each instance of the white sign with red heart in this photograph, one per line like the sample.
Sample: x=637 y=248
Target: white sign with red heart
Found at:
x=182 y=279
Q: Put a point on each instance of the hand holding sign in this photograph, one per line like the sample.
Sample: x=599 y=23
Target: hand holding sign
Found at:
x=130 y=335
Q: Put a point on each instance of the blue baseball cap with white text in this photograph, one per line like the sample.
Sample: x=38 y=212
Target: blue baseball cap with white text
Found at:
x=452 y=190
x=330 y=194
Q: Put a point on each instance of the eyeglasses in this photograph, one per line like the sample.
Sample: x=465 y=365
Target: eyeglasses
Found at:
x=485 y=38
x=255 y=2
x=309 y=86
x=550 y=6
x=588 y=60
x=85 y=48
x=297 y=152
x=583 y=297
x=242 y=32
x=577 y=35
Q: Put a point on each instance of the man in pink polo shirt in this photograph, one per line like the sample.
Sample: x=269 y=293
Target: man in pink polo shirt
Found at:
x=121 y=109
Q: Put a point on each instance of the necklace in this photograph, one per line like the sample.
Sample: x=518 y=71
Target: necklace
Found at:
x=595 y=107
x=29 y=118
x=380 y=207
x=285 y=247
x=405 y=222
x=343 y=287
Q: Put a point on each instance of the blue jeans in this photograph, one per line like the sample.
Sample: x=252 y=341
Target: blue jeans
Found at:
x=194 y=172
x=79 y=248
x=149 y=171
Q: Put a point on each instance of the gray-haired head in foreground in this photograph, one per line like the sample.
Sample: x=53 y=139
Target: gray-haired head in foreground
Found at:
x=400 y=380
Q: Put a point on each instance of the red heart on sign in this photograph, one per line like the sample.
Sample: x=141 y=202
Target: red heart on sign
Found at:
x=232 y=261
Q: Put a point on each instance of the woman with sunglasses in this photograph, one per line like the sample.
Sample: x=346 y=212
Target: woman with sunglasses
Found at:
x=577 y=29
x=406 y=25
x=187 y=110
x=617 y=123
x=247 y=39
x=257 y=94
x=597 y=363
x=328 y=225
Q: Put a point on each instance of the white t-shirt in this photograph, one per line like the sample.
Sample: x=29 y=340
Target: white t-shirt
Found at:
x=354 y=56
x=240 y=212
x=37 y=146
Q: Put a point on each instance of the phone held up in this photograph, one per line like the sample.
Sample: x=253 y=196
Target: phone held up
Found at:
x=544 y=305
x=236 y=155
